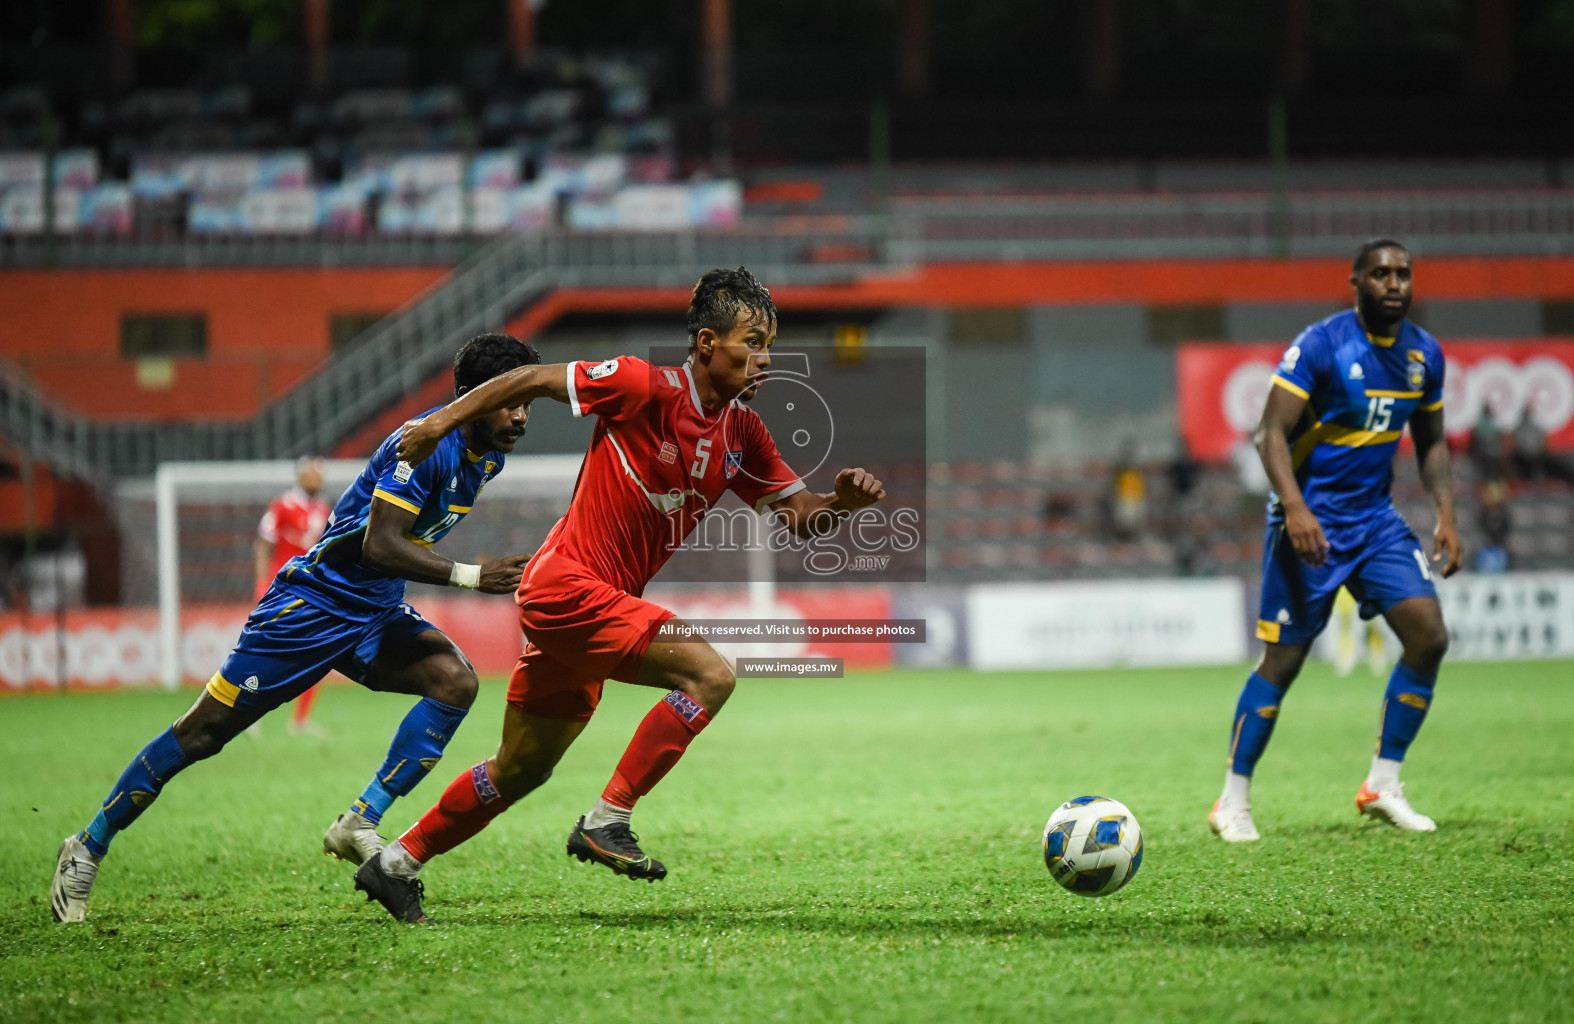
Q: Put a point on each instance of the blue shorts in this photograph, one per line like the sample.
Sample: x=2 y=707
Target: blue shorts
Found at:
x=1388 y=567
x=289 y=644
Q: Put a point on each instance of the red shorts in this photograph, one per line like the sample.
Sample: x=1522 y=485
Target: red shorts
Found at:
x=580 y=631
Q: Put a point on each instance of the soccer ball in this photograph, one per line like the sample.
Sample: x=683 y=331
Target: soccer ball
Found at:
x=1092 y=845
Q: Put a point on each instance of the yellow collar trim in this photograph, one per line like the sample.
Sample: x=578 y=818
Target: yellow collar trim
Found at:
x=473 y=457
x=1382 y=342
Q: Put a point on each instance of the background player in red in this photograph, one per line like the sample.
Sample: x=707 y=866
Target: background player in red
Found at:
x=293 y=523
x=669 y=441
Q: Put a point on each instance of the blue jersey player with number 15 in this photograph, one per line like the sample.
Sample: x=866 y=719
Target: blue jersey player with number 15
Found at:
x=1340 y=401
x=341 y=606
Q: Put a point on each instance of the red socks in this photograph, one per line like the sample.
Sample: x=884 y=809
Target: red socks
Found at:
x=471 y=801
x=303 y=708
x=657 y=744
x=466 y=807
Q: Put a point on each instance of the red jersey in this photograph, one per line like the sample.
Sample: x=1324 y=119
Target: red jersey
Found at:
x=293 y=523
x=658 y=463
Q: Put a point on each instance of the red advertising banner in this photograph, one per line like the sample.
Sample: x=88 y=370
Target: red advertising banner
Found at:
x=105 y=648
x=1223 y=386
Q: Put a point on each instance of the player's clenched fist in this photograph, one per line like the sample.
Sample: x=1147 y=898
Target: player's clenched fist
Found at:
x=419 y=438
x=856 y=489
x=501 y=575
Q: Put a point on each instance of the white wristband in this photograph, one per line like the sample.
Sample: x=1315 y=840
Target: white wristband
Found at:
x=465 y=575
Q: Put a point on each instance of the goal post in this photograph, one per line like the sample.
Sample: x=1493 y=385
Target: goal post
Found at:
x=206 y=516
x=202 y=518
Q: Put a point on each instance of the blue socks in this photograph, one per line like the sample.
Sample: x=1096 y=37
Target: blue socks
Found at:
x=414 y=752
x=138 y=786
x=1404 y=709
x=1255 y=714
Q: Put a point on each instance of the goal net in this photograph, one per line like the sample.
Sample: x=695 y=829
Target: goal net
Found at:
x=188 y=538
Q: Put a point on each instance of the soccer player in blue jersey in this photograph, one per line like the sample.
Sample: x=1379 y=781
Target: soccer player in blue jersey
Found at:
x=1339 y=402
x=341 y=606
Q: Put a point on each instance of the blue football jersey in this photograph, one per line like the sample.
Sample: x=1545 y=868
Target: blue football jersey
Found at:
x=440 y=491
x=1360 y=390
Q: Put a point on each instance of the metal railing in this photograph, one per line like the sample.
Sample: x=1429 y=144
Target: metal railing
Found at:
x=1062 y=227
x=40 y=426
x=193 y=251
x=1182 y=226
x=497 y=280
x=396 y=356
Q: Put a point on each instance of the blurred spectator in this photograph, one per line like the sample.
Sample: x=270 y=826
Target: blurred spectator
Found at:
x=1183 y=473
x=1486 y=447
x=1128 y=494
x=1530 y=448
x=1192 y=557
x=1060 y=510
x=1494 y=522
x=1532 y=460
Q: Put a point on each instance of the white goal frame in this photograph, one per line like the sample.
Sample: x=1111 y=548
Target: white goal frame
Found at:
x=533 y=476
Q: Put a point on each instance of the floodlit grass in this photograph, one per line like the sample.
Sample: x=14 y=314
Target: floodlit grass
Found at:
x=859 y=849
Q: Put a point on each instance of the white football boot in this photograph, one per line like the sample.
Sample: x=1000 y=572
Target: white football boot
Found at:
x=76 y=869
x=1391 y=806
x=352 y=838
x=1233 y=824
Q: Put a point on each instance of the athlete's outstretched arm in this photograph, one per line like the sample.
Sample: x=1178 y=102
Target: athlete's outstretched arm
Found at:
x=1279 y=417
x=520 y=386
x=813 y=515
x=1426 y=430
x=387 y=547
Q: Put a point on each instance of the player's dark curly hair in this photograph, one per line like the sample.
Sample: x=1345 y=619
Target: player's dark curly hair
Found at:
x=720 y=294
x=487 y=355
x=1371 y=245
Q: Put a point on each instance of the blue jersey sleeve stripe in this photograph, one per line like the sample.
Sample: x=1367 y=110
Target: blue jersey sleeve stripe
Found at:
x=394 y=499
x=1290 y=386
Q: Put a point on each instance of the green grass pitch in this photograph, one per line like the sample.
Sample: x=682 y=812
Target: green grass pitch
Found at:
x=859 y=849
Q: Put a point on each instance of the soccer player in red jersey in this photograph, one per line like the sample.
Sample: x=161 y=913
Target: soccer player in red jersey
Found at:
x=668 y=442
x=293 y=523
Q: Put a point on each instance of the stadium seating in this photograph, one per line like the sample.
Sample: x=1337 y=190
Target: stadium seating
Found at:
x=559 y=147
x=1020 y=521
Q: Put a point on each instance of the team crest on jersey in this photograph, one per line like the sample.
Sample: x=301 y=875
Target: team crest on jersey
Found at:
x=1356 y=373
x=490 y=466
x=668 y=453
x=601 y=370
x=1417 y=375
x=402 y=472
x=731 y=464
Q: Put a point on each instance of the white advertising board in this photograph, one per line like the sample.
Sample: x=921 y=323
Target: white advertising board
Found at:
x=1095 y=624
x=1515 y=615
